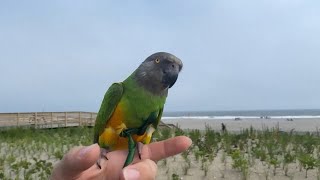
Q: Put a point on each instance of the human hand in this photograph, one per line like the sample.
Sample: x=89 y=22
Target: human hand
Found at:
x=80 y=162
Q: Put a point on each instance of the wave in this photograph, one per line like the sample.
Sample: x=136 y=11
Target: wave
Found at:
x=238 y=117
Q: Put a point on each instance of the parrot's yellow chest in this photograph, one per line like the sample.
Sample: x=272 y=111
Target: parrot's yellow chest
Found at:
x=110 y=137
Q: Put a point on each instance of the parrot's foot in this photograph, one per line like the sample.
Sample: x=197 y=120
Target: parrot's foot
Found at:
x=103 y=154
x=139 y=149
x=132 y=145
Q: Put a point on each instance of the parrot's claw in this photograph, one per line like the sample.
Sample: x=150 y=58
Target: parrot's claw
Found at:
x=139 y=148
x=103 y=154
x=98 y=164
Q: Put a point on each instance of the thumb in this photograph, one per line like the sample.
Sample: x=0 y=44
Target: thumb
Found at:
x=75 y=162
x=146 y=169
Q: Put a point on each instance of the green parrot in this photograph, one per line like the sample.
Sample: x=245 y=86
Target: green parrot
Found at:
x=131 y=110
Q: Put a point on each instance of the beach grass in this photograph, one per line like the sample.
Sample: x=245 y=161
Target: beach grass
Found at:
x=27 y=153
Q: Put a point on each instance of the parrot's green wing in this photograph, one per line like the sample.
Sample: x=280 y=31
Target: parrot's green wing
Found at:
x=108 y=105
x=156 y=123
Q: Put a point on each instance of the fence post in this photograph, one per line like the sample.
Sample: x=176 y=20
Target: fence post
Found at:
x=65 y=119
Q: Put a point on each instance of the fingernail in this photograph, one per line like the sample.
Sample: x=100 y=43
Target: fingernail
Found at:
x=131 y=174
x=85 y=150
x=185 y=143
x=189 y=141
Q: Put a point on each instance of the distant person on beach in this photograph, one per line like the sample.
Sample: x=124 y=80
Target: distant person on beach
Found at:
x=80 y=162
x=223 y=127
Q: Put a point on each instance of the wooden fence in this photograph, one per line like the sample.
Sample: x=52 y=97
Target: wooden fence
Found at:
x=52 y=119
x=47 y=119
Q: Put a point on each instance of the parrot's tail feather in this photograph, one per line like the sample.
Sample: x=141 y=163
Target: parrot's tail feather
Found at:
x=131 y=151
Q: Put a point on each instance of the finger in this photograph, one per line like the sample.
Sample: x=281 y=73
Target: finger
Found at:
x=146 y=169
x=159 y=150
x=153 y=151
x=76 y=161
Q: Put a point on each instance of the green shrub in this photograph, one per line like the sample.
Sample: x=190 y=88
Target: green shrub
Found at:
x=308 y=162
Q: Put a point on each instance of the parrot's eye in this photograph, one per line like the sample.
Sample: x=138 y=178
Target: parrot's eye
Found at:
x=157 y=60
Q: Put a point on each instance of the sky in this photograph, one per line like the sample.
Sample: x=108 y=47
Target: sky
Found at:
x=238 y=55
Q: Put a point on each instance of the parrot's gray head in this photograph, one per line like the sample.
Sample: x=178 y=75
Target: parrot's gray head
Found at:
x=159 y=72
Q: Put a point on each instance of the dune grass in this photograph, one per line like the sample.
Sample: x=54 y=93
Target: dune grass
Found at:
x=27 y=153
x=30 y=153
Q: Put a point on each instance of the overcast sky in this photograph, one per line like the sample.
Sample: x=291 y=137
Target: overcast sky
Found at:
x=237 y=55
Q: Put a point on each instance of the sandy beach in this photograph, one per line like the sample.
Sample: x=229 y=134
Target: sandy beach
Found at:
x=222 y=169
x=297 y=124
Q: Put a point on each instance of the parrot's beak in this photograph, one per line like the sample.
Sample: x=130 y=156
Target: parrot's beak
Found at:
x=170 y=78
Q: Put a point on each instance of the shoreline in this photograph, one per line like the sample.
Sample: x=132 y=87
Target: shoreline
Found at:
x=297 y=124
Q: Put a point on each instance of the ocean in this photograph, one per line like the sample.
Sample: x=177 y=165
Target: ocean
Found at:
x=287 y=114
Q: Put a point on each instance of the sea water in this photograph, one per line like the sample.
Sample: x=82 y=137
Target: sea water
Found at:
x=248 y=114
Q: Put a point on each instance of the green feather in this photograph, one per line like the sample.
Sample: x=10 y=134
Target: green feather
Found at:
x=139 y=104
x=108 y=105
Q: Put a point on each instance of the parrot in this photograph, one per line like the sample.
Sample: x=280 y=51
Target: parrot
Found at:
x=131 y=110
